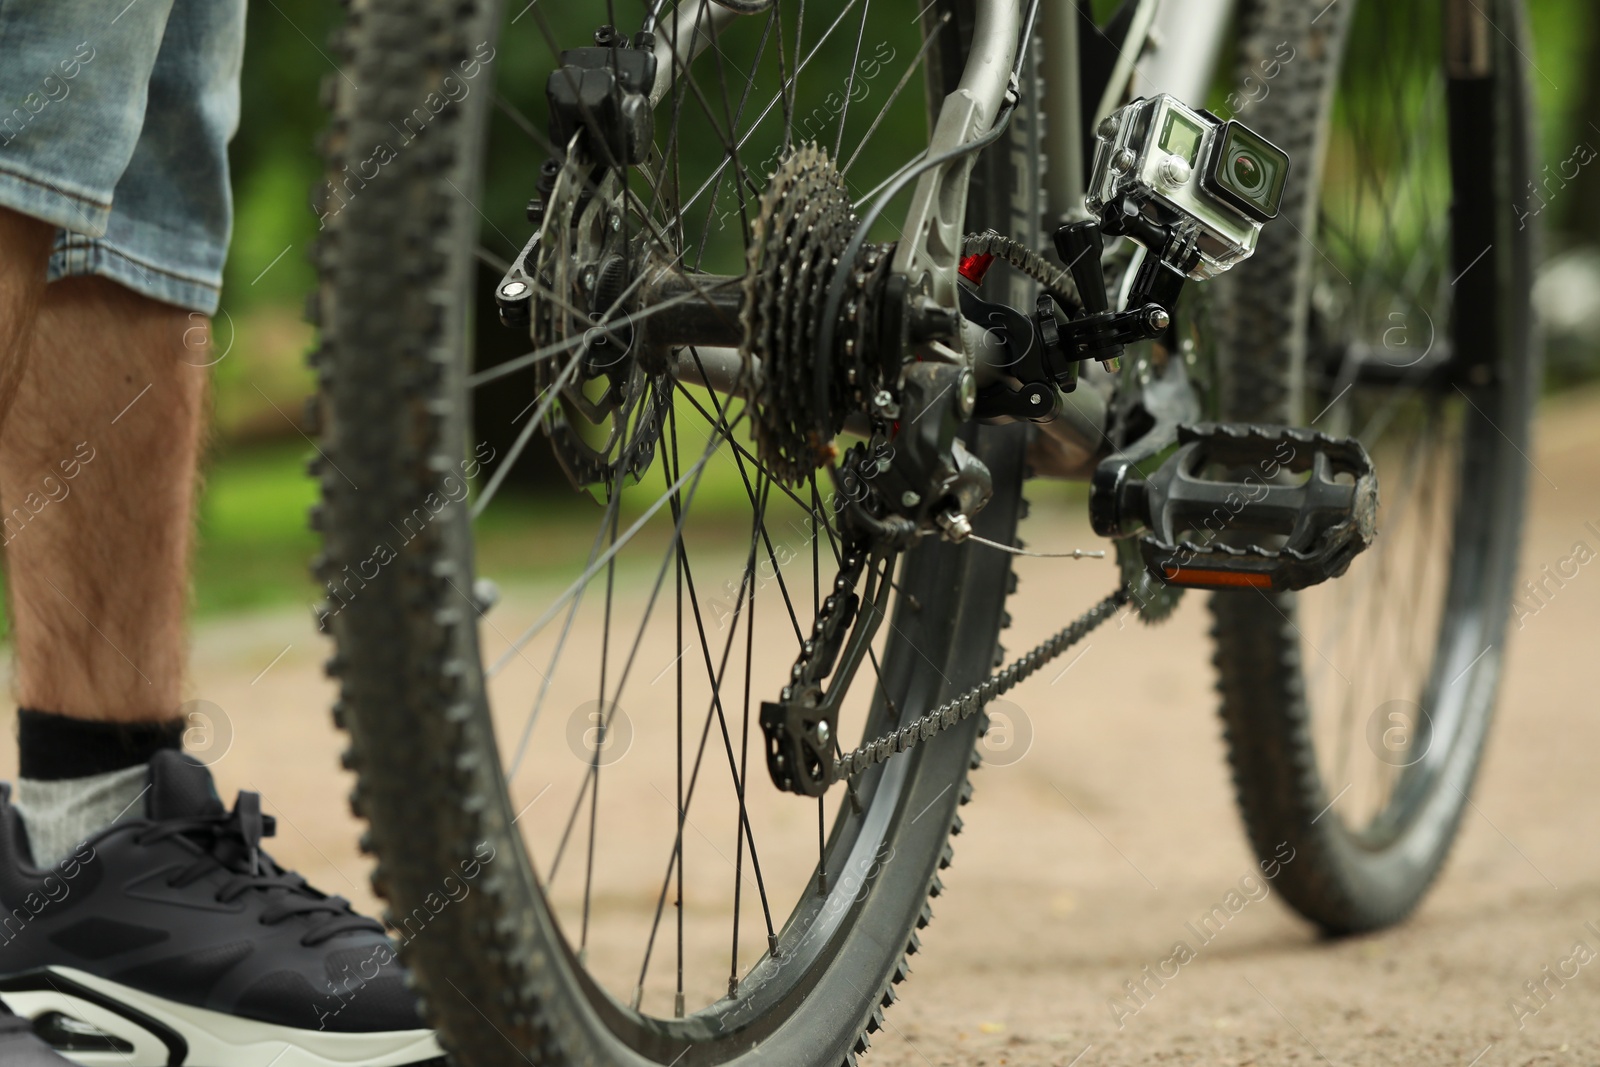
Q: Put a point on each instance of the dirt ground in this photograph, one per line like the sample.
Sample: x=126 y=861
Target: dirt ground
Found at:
x=1083 y=861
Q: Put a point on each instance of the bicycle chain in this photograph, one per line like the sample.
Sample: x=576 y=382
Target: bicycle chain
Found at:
x=1057 y=281
x=837 y=612
x=967 y=704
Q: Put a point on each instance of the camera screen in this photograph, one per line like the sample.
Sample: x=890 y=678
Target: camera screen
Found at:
x=1180 y=137
x=1250 y=171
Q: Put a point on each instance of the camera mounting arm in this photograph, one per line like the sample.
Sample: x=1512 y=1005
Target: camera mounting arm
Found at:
x=1099 y=333
x=1191 y=189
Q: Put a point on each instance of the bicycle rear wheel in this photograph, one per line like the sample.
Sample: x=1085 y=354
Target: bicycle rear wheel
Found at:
x=1390 y=303
x=557 y=930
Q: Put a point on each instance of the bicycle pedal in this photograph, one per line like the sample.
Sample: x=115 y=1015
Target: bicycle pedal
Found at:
x=1243 y=506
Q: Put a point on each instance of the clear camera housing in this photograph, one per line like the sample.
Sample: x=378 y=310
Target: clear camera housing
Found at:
x=1188 y=171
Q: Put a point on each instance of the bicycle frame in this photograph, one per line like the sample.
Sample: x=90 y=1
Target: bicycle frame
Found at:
x=1150 y=62
x=1169 y=47
x=1151 y=65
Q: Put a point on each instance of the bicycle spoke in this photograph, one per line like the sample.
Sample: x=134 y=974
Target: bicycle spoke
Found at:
x=744 y=752
x=533 y=716
x=674 y=860
x=574 y=593
x=738 y=114
x=850 y=79
x=716 y=679
x=741 y=181
x=751 y=458
x=605 y=722
x=776 y=99
x=673 y=865
x=682 y=219
x=528 y=359
x=751 y=493
x=894 y=94
x=677 y=564
x=589 y=572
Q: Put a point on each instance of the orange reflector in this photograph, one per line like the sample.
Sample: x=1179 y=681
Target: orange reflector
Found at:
x=1217 y=579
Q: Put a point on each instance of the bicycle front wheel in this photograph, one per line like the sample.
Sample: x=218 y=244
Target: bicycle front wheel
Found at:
x=1390 y=303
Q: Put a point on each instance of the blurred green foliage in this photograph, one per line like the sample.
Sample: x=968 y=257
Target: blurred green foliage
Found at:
x=273 y=156
x=287 y=58
x=253 y=537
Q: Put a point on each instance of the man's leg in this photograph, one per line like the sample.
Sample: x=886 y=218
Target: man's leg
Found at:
x=106 y=427
x=97 y=483
x=97 y=462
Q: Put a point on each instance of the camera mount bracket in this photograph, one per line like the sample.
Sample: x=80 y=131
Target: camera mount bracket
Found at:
x=1191 y=189
x=1041 y=351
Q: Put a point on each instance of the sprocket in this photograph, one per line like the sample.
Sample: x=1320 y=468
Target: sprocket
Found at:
x=804 y=225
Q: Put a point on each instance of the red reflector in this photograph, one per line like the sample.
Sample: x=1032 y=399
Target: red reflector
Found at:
x=1217 y=579
x=974 y=267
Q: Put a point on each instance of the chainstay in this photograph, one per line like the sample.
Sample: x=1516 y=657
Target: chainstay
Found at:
x=963 y=707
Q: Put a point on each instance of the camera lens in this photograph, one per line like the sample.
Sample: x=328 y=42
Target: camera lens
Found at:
x=1248 y=173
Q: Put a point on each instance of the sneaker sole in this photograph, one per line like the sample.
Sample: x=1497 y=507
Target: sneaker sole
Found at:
x=164 y=1033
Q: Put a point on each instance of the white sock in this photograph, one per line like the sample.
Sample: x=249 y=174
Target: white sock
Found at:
x=59 y=814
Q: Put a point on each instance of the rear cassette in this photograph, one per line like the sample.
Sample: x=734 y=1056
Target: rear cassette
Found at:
x=803 y=227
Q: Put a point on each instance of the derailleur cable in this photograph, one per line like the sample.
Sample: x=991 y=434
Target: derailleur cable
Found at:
x=1012 y=550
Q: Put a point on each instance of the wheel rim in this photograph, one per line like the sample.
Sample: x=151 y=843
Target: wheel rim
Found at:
x=720 y=642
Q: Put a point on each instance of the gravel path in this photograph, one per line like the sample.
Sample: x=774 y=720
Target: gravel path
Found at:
x=1085 y=861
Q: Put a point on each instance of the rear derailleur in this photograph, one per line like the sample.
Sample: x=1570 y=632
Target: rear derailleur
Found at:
x=913 y=477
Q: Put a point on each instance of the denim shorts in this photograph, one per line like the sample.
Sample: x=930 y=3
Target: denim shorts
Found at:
x=114 y=126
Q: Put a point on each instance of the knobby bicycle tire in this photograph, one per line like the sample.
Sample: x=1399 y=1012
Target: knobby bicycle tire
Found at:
x=1351 y=878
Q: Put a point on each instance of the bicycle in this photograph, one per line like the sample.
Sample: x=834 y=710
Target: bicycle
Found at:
x=697 y=326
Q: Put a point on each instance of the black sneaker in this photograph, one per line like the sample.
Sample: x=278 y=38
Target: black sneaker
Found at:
x=20 y=1047
x=173 y=939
